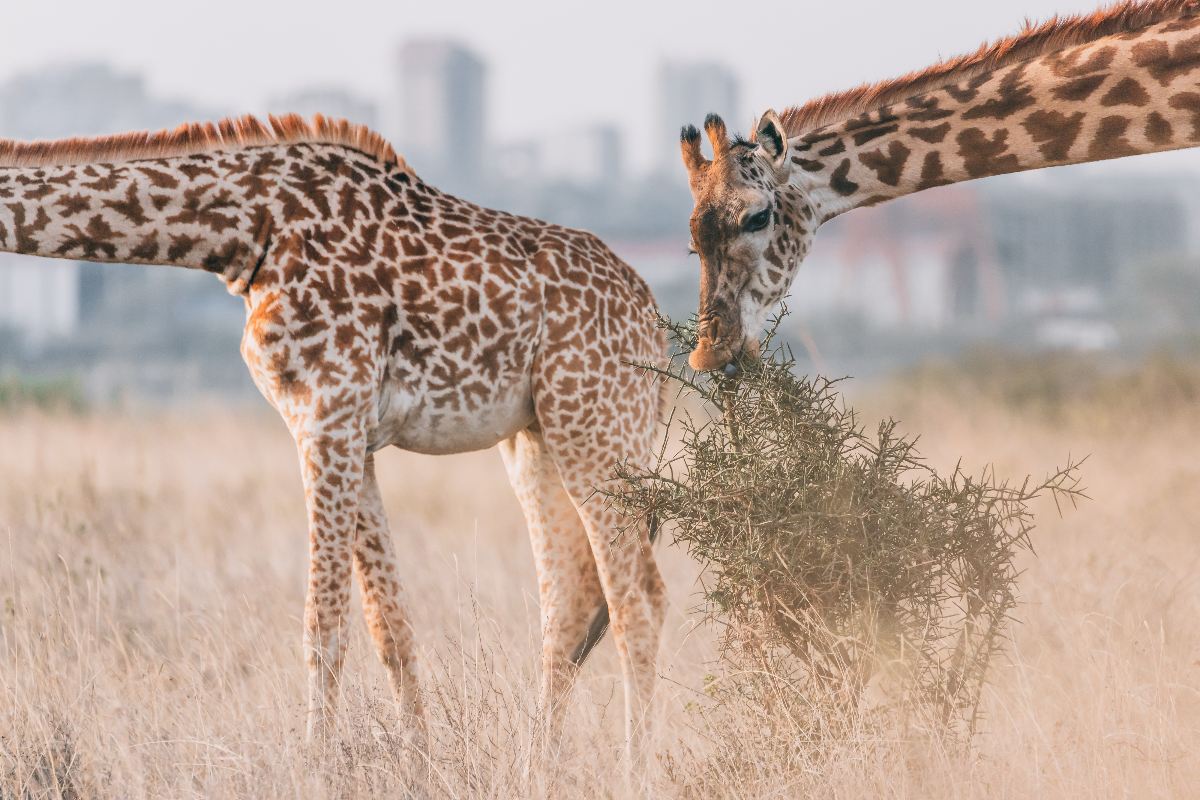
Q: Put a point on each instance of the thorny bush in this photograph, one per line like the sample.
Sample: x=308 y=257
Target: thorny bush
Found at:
x=839 y=565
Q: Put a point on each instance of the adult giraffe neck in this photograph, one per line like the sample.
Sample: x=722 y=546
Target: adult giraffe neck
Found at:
x=1122 y=94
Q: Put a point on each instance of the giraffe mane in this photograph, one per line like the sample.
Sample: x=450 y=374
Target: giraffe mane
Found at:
x=194 y=138
x=1032 y=41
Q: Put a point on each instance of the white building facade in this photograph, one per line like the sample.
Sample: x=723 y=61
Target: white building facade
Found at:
x=39 y=298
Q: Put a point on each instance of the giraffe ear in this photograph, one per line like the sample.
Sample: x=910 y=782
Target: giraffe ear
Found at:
x=771 y=137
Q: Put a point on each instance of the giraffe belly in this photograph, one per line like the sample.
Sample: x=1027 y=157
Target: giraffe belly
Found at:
x=412 y=422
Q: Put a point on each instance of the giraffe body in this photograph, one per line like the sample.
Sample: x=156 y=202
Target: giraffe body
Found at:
x=1116 y=83
x=383 y=312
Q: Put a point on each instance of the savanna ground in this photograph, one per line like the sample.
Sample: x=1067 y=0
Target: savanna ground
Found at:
x=151 y=587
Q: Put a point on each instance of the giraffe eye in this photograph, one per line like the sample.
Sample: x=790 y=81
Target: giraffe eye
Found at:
x=758 y=221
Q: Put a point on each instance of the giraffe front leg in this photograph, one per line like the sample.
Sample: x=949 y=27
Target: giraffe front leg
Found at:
x=383 y=606
x=331 y=461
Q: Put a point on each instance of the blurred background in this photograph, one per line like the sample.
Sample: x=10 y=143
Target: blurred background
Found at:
x=570 y=112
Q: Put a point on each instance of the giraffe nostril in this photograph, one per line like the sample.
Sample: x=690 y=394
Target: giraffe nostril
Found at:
x=714 y=329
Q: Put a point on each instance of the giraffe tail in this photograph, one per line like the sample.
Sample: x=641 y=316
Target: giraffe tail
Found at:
x=599 y=626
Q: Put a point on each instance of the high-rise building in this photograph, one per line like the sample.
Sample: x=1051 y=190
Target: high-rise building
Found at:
x=329 y=101
x=442 y=127
x=687 y=92
x=587 y=156
x=39 y=298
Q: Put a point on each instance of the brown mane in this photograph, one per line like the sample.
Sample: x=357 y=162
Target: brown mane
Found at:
x=199 y=137
x=1033 y=41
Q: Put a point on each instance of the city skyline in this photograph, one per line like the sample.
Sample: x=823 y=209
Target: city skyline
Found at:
x=438 y=119
x=553 y=66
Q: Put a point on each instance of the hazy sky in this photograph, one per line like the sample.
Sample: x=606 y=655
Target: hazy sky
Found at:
x=553 y=64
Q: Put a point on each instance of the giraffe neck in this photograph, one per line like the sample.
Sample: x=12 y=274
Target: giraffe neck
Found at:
x=1116 y=96
x=207 y=211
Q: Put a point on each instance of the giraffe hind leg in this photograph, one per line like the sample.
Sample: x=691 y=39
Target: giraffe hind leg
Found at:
x=587 y=440
x=633 y=588
x=568 y=585
x=599 y=627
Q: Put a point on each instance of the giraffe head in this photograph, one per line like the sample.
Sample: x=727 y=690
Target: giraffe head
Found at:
x=751 y=226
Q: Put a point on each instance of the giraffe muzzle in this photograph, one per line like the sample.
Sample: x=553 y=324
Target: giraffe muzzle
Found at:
x=708 y=356
x=713 y=350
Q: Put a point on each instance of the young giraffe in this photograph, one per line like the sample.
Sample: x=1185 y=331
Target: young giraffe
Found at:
x=1116 y=83
x=380 y=312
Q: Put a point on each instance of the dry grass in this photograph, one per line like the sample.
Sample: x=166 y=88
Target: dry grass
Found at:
x=151 y=586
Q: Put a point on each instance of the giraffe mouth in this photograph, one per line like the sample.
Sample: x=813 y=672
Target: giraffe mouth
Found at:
x=715 y=348
x=710 y=355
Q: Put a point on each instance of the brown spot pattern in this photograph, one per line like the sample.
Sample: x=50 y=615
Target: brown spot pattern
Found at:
x=1126 y=92
x=1165 y=62
x=1110 y=140
x=1055 y=132
x=889 y=166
